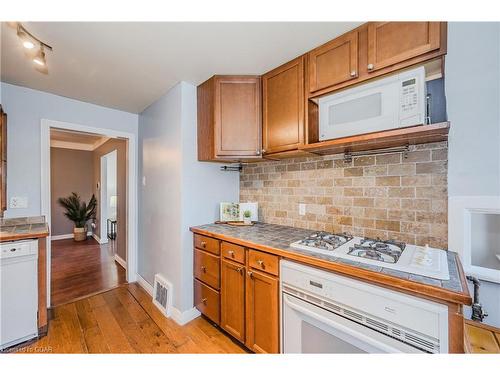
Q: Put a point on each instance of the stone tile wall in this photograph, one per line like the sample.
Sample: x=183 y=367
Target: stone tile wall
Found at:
x=386 y=196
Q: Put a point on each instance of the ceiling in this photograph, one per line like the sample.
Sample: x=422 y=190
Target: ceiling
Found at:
x=128 y=65
x=60 y=138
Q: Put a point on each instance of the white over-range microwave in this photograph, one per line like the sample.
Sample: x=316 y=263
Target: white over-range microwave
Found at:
x=392 y=102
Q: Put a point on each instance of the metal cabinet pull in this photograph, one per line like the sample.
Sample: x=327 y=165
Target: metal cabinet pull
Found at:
x=204 y=269
x=250 y=273
x=231 y=252
x=240 y=270
x=353 y=73
x=370 y=66
x=203 y=244
x=257 y=152
x=261 y=263
x=204 y=301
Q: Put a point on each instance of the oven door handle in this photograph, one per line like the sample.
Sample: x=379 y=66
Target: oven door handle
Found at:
x=331 y=323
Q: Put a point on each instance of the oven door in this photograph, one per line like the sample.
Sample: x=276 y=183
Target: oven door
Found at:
x=307 y=328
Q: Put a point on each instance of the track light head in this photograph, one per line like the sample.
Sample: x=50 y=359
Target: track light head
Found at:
x=25 y=39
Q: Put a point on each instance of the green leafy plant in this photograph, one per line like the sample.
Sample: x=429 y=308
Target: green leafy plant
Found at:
x=77 y=211
x=247 y=214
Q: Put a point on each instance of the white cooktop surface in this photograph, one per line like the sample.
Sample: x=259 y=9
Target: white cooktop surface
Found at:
x=419 y=260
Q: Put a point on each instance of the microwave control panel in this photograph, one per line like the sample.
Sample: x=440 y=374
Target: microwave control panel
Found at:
x=410 y=110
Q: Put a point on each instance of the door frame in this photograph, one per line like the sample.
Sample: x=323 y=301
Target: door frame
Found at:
x=103 y=212
x=132 y=249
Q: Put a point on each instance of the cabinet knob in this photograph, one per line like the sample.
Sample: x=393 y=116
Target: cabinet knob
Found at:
x=353 y=73
x=203 y=269
x=261 y=263
x=250 y=273
x=257 y=152
x=231 y=252
x=240 y=270
x=204 y=301
x=263 y=151
x=370 y=66
x=203 y=244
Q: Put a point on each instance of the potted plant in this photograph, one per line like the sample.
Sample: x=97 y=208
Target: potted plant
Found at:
x=79 y=213
x=247 y=215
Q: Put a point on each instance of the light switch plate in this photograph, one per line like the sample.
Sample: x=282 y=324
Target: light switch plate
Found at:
x=302 y=209
x=18 y=202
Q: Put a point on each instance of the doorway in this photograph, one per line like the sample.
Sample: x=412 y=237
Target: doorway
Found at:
x=117 y=152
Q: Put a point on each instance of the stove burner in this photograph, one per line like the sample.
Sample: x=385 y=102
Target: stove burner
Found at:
x=325 y=240
x=377 y=249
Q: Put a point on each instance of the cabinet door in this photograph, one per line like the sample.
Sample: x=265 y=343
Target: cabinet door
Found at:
x=283 y=107
x=237 y=116
x=207 y=301
x=262 y=313
x=334 y=62
x=232 y=318
x=3 y=162
x=393 y=42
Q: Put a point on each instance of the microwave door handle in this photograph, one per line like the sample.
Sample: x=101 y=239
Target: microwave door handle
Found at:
x=340 y=327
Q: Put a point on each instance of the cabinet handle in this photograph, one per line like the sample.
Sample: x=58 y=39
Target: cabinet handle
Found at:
x=257 y=152
x=261 y=263
x=204 y=301
x=231 y=252
x=203 y=244
x=370 y=66
x=204 y=269
x=250 y=273
x=263 y=150
x=353 y=73
x=240 y=270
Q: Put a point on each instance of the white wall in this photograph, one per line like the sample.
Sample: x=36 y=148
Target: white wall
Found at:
x=473 y=97
x=25 y=108
x=179 y=191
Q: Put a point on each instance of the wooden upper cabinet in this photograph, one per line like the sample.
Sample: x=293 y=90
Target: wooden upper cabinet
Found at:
x=390 y=43
x=334 y=62
x=283 y=107
x=229 y=118
x=3 y=161
x=232 y=317
x=262 y=313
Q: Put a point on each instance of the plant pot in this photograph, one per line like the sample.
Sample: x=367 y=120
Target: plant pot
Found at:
x=247 y=221
x=80 y=234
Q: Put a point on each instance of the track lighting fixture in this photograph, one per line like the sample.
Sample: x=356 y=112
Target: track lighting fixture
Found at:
x=29 y=41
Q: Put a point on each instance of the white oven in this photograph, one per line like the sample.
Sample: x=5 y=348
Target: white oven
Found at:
x=387 y=103
x=322 y=312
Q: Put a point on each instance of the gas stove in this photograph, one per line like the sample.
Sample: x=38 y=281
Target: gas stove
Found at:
x=392 y=254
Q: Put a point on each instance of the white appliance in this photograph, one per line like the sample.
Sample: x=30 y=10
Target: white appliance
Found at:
x=418 y=260
x=18 y=292
x=393 y=102
x=322 y=312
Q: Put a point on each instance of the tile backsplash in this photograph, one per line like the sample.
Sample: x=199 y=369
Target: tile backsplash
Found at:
x=387 y=196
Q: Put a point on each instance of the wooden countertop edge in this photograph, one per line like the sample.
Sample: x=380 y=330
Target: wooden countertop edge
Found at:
x=23 y=236
x=395 y=283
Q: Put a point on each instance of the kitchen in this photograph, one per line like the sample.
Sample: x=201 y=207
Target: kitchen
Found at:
x=330 y=183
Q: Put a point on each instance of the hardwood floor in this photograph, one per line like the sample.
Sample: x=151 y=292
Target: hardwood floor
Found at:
x=124 y=320
x=82 y=268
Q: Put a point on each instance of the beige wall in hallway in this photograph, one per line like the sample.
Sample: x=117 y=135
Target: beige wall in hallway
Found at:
x=120 y=145
x=71 y=171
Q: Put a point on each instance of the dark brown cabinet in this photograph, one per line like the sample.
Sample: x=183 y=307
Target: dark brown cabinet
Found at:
x=283 y=108
x=3 y=161
x=334 y=62
x=233 y=299
x=230 y=119
x=390 y=43
x=262 y=312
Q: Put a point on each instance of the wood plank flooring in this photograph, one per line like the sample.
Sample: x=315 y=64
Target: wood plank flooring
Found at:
x=124 y=320
x=82 y=268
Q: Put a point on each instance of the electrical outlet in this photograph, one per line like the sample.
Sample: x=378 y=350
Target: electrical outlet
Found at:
x=18 y=202
x=302 y=209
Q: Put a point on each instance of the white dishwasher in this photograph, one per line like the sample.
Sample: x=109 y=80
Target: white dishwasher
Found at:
x=18 y=292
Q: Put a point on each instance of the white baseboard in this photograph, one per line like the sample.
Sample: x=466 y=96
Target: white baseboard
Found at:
x=179 y=317
x=101 y=241
x=120 y=261
x=66 y=236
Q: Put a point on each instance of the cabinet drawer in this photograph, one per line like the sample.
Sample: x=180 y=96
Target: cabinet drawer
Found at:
x=234 y=252
x=206 y=268
x=262 y=261
x=207 y=301
x=206 y=243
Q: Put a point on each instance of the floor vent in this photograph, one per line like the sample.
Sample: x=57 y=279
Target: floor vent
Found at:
x=162 y=295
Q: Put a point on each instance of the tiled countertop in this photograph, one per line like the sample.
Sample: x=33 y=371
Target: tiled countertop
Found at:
x=277 y=238
x=23 y=228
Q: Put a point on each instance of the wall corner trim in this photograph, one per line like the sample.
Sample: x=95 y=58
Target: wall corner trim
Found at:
x=144 y=284
x=120 y=261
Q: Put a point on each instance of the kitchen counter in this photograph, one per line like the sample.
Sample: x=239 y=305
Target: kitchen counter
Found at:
x=23 y=228
x=277 y=238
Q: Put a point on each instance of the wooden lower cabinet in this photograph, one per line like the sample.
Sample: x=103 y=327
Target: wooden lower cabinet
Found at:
x=232 y=318
x=262 y=312
x=207 y=301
